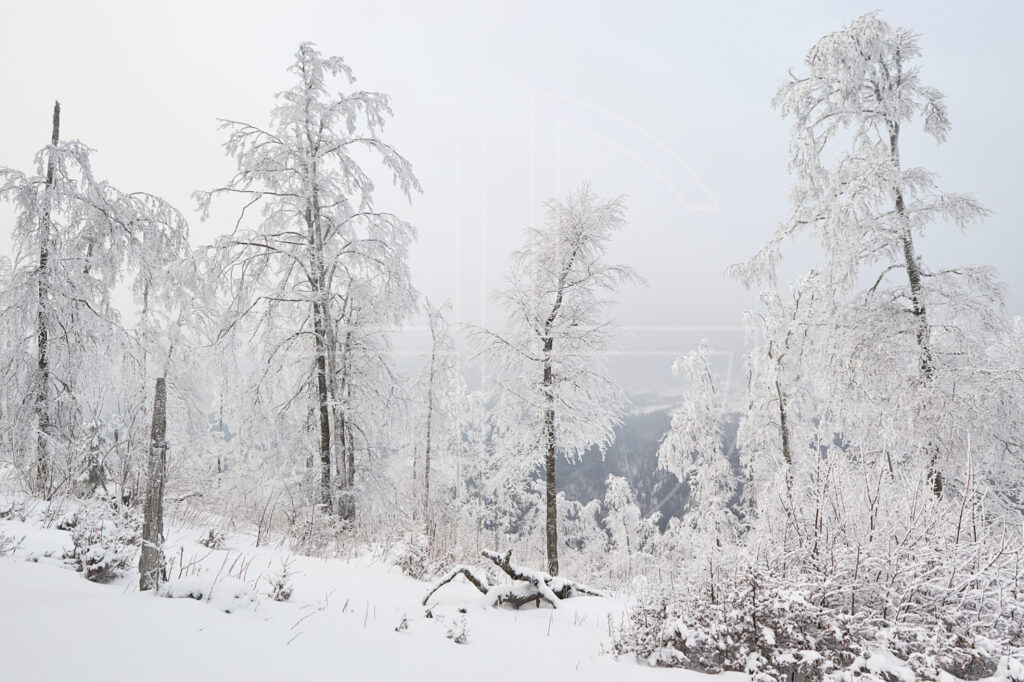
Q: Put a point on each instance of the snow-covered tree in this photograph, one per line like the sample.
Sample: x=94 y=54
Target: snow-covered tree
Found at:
x=439 y=381
x=557 y=396
x=631 y=534
x=323 y=264
x=582 y=538
x=623 y=518
x=776 y=427
x=898 y=347
x=693 y=449
x=76 y=239
x=372 y=397
x=166 y=343
x=475 y=454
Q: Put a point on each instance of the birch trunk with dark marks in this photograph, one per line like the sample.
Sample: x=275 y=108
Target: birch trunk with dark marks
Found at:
x=151 y=558
x=787 y=454
x=548 y=389
x=426 y=449
x=338 y=374
x=917 y=305
x=324 y=408
x=345 y=445
x=321 y=319
x=426 y=459
x=551 y=495
x=42 y=397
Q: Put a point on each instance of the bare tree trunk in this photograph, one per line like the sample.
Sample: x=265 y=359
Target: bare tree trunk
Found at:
x=337 y=376
x=42 y=401
x=151 y=558
x=323 y=402
x=321 y=318
x=551 y=524
x=787 y=454
x=479 y=508
x=220 y=429
x=311 y=417
x=350 y=449
x=917 y=306
x=346 y=449
x=348 y=445
x=426 y=451
x=431 y=378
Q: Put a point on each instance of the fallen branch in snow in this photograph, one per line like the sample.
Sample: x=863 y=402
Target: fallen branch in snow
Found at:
x=529 y=585
x=479 y=580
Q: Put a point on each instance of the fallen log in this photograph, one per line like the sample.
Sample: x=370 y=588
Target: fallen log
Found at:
x=528 y=585
x=563 y=588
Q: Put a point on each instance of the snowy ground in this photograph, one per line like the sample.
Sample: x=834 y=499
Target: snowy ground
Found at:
x=339 y=624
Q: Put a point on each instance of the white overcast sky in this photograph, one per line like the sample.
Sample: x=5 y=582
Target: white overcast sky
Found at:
x=501 y=104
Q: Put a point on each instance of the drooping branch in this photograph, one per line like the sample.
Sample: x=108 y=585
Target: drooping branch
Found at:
x=477 y=579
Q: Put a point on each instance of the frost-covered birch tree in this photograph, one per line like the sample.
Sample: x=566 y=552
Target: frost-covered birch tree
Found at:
x=557 y=397
x=898 y=346
x=321 y=242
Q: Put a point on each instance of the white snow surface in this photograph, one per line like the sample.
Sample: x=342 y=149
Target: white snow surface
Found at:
x=339 y=624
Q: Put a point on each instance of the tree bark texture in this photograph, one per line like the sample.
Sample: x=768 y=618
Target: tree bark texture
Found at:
x=42 y=402
x=151 y=558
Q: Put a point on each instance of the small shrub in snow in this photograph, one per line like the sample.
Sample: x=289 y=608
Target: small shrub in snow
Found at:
x=8 y=544
x=413 y=559
x=68 y=521
x=280 y=583
x=15 y=511
x=418 y=560
x=214 y=539
x=403 y=624
x=54 y=513
x=318 y=536
x=458 y=630
x=225 y=593
x=104 y=540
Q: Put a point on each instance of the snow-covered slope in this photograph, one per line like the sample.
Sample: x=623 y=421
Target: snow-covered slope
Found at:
x=340 y=623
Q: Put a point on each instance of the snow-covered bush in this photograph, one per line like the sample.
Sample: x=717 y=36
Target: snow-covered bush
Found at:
x=318 y=535
x=281 y=587
x=105 y=539
x=214 y=539
x=413 y=558
x=8 y=543
x=225 y=592
x=417 y=558
x=68 y=521
x=15 y=511
x=458 y=631
x=752 y=626
x=776 y=625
